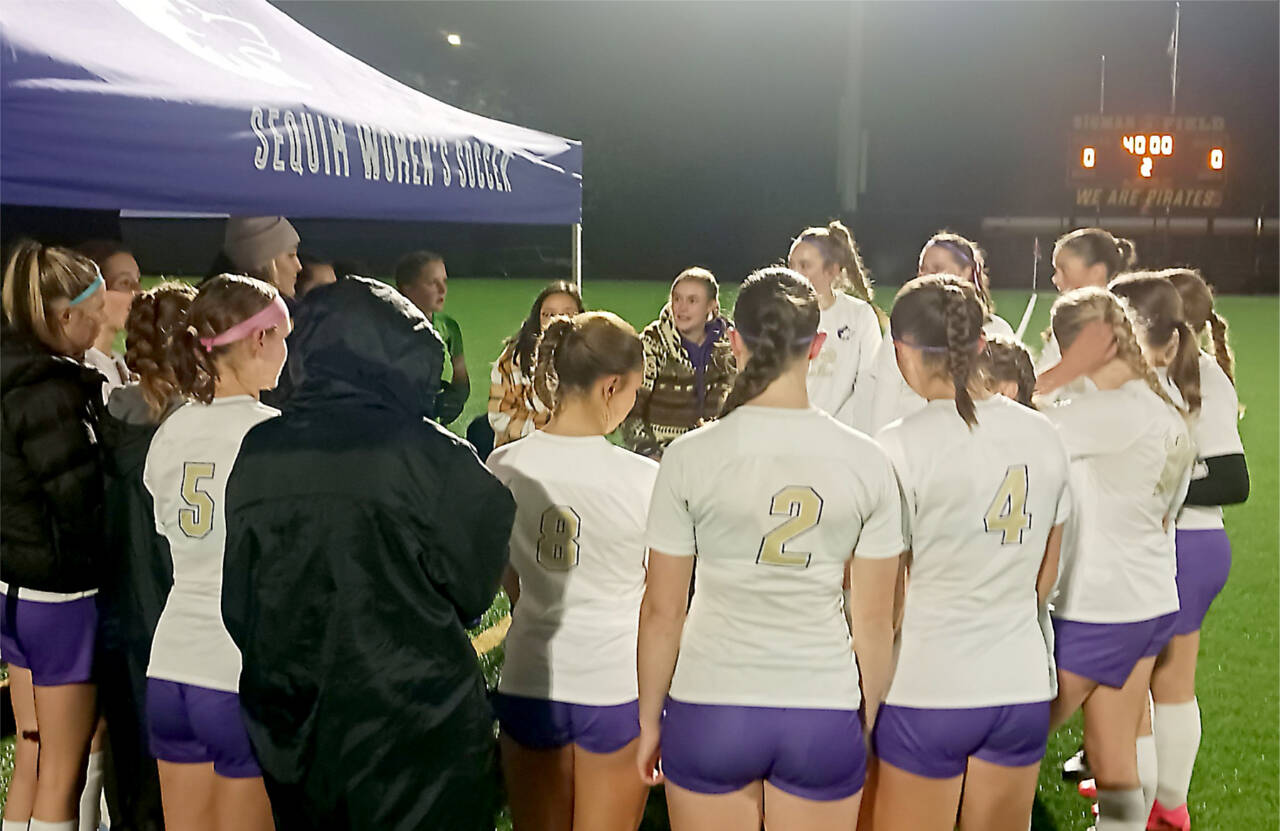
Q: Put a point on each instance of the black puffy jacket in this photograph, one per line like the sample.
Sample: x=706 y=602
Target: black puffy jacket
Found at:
x=50 y=467
x=360 y=536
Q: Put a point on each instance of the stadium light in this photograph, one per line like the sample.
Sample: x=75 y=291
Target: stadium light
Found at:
x=454 y=39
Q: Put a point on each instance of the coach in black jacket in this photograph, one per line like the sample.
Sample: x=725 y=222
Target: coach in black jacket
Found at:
x=360 y=537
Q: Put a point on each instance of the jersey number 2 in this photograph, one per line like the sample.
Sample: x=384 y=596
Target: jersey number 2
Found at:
x=1008 y=515
x=804 y=506
x=558 y=532
x=196 y=520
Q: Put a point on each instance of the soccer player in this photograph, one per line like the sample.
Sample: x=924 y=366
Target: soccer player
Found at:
x=265 y=247
x=887 y=396
x=688 y=366
x=123 y=283
x=829 y=258
x=986 y=487
x=1117 y=599
x=52 y=506
x=779 y=502
x=421 y=277
x=232 y=349
x=1008 y=369
x=567 y=696
x=515 y=410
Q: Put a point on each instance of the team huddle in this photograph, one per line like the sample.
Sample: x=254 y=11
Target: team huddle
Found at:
x=842 y=569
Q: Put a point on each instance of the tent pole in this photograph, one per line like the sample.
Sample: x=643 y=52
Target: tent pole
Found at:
x=575 y=247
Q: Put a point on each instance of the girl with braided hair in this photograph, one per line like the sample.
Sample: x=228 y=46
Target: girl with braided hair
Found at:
x=1170 y=308
x=136 y=571
x=752 y=699
x=566 y=700
x=829 y=258
x=1117 y=599
x=969 y=704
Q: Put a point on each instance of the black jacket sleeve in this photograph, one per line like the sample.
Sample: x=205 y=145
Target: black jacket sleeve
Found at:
x=1227 y=482
x=472 y=528
x=450 y=402
x=55 y=435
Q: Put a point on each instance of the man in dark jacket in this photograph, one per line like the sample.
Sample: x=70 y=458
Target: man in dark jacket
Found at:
x=360 y=537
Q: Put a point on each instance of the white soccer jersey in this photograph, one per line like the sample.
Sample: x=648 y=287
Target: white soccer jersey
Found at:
x=187 y=468
x=980 y=505
x=1216 y=432
x=578 y=546
x=888 y=397
x=773 y=502
x=1131 y=456
x=853 y=333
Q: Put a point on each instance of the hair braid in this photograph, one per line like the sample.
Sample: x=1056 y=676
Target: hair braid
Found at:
x=1221 y=348
x=545 y=381
x=1130 y=351
x=153 y=319
x=777 y=316
x=963 y=331
x=1006 y=360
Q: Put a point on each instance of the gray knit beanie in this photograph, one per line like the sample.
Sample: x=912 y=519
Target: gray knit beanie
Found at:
x=253 y=241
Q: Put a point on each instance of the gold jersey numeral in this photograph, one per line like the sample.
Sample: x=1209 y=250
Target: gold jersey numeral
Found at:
x=804 y=506
x=558 y=548
x=1008 y=515
x=196 y=520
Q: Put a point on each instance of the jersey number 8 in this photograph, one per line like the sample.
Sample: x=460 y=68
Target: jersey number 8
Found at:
x=558 y=532
x=1008 y=515
x=804 y=506
x=197 y=519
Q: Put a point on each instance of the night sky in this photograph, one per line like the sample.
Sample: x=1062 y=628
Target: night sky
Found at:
x=710 y=129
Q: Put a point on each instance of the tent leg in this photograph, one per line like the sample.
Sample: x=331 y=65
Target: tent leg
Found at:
x=576 y=254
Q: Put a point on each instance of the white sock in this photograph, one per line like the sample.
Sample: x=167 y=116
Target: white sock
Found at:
x=41 y=825
x=1148 y=772
x=90 y=796
x=1177 y=729
x=13 y=825
x=1121 y=810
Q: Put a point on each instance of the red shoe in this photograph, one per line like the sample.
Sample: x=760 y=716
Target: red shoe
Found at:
x=1164 y=819
x=1088 y=788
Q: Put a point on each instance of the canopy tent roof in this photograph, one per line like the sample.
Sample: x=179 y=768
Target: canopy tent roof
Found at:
x=229 y=106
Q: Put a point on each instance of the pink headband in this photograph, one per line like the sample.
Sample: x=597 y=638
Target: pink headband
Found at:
x=272 y=316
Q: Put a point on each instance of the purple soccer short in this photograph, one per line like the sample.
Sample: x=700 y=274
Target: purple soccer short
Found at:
x=542 y=724
x=937 y=743
x=1204 y=560
x=197 y=725
x=53 y=640
x=1108 y=652
x=715 y=749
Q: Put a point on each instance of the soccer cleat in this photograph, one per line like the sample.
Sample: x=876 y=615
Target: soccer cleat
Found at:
x=1076 y=768
x=1164 y=819
x=1088 y=789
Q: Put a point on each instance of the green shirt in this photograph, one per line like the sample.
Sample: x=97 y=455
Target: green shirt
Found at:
x=449 y=332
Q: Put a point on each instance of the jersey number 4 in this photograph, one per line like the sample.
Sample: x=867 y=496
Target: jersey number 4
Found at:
x=804 y=506
x=1008 y=515
x=558 y=547
x=196 y=520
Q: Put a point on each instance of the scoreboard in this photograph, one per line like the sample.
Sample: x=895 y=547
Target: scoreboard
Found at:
x=1155 y=164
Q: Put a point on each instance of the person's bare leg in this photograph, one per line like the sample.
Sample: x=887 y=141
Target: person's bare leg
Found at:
x=788 y=812
x=1173 y=681
x=1073 y=691
x=740 y=810
x=539 y=786
x=910 y=802
x=1177 y=717
x=1111 y=719
x=67 y=715
x=998 y=798
x=867 y=810
x=26 y=747
x=241 y=804
x=186 y=794
x=607 y=793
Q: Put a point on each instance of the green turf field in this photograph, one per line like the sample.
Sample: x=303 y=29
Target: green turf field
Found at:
x=1235 y=785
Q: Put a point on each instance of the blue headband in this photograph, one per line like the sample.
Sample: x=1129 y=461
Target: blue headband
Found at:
x=956 y=248
x=87 y=293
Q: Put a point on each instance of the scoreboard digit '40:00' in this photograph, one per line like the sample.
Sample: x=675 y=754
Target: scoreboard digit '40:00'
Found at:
x=1151 y=163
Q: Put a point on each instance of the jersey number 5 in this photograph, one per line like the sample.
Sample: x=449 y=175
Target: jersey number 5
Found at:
x=196 y=520
x=558 y=532
x=1008 y=515
x=804 y=506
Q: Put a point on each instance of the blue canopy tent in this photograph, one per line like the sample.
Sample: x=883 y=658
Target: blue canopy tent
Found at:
x=229 y=106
